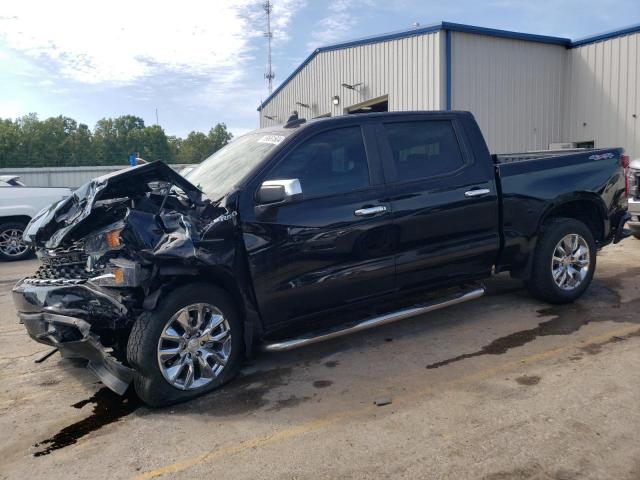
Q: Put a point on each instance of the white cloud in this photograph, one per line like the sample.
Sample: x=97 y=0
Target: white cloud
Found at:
x=283 y=13
x=122 y=42
x=342 y=16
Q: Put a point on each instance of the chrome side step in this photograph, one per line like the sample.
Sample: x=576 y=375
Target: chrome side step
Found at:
x=310 y=338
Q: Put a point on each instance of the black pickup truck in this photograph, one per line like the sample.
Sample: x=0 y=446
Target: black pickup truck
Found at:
x=297 y=234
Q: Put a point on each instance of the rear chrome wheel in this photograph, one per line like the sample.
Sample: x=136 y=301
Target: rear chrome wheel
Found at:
x=564 y=261
x=570 y=262
x=194 y=346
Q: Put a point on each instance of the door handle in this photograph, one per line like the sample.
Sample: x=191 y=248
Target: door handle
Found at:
x=476 y=192
x=366 y=212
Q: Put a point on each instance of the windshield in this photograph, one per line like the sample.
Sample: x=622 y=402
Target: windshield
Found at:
x=216 y=175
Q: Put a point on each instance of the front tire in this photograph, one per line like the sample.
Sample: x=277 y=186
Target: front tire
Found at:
x=190 y=344
x=564 y=261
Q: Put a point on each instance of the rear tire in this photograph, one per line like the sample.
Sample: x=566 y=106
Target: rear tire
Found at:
x=12 y=247
x=562 y=270
x=147 y=351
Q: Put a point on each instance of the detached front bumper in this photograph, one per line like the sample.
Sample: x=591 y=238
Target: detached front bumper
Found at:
x=52 y=315
x=634 y=211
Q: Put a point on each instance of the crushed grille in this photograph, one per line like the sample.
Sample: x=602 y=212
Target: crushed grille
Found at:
x=68 y=271
x=64 y=265
x=65 y=255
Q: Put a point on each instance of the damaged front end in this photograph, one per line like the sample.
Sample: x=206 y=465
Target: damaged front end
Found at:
x=103 y=253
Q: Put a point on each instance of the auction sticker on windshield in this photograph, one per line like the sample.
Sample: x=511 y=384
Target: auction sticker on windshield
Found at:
x=274 y=139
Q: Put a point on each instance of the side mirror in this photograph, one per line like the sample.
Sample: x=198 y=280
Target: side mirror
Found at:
x=279 y=191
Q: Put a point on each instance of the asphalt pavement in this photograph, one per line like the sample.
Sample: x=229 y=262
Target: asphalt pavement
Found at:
x=504 y=387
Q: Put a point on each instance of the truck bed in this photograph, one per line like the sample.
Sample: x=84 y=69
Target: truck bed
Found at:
x=532 y=183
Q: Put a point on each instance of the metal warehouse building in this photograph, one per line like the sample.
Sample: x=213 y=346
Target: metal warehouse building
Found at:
x=526 y=91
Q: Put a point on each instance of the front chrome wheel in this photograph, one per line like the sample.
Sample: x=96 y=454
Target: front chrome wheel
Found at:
x=11 y=243
x=194 y=346
x=570 y=262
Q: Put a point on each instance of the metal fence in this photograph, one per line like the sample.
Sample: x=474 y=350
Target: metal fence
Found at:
x=71 y=177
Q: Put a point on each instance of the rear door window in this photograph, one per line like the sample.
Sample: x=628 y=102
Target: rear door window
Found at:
x=423 y=149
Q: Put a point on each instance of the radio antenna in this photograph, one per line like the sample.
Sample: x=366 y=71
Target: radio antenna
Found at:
x=268 y=8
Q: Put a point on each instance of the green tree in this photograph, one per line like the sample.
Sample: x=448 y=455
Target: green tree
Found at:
x=219 y=136
x=156 y=145
x=175 y=144
x=106 y=150
x=53 y=141
x=61 y=141
x=126 y=124
x=81 y=146
x=198 y=146
x=32 y=149
x=130 y=135
x=195 y=148
x=10 y=144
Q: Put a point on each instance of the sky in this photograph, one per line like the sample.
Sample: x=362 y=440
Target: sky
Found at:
x=203 y=62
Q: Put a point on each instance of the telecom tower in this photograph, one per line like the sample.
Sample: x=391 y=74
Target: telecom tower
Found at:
x=268 y=7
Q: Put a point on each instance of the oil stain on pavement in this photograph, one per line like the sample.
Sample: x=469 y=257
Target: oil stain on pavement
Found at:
x=288 y=402
x=528 y=380
x=322 y=383
x=566 y=320
x=245 y=394
x=108 y=407
x=595 y=348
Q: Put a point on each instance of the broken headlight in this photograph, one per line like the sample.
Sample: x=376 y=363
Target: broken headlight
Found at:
x=121 y=272
x=102 y=241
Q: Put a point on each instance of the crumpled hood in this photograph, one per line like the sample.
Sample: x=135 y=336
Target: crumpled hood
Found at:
x=55 y=223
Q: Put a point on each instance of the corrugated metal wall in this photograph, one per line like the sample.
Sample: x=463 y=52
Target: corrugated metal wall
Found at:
x=524 y=94
x=603 y=102
x=70 y=177
x=514 y=88
x=410 y=70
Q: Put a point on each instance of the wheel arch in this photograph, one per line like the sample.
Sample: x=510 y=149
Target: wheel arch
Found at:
x=174 y=276
x=15 y=218
x=586 y=208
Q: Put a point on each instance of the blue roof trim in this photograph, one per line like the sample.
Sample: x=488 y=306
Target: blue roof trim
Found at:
x=494 y=32
x=455 y=27
x=606 y=35
x=383 y=37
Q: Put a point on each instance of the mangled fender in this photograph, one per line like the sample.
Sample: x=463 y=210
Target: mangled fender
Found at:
x=55 y=224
